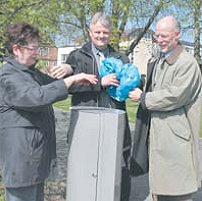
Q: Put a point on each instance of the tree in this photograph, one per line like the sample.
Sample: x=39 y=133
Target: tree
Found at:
x=69 y=20
x=42 y=13
x=192 y=20
x=122 y=12
x=197 y=5
x=151 y=19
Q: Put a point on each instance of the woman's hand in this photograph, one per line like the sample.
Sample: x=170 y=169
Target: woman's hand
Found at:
x=60 y=71
x=81 y=78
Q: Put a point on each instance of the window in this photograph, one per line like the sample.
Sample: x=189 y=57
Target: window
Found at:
x=64 y=58
x=131 y=57
x=52 y=63
x=44 y=51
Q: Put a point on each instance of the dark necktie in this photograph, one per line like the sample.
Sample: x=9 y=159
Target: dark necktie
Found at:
x=101 y=58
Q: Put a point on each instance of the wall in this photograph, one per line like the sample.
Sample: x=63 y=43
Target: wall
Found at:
x=141 y=53
x=63 y=53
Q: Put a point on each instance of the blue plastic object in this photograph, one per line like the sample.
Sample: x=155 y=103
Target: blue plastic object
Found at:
x=127 y=74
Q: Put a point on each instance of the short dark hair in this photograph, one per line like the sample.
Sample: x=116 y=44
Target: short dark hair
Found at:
x=20 y=33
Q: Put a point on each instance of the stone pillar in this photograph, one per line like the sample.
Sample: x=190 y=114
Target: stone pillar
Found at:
x=95 y=140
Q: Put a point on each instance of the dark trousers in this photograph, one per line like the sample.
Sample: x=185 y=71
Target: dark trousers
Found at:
x=125 y=184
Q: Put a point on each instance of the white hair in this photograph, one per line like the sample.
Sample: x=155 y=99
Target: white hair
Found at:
x=102 y=19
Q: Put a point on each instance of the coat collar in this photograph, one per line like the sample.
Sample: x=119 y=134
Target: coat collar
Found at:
x=171 y=59
x=87 y=48
x=15 y=63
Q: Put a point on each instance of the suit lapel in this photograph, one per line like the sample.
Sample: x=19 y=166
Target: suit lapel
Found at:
x=150 y=70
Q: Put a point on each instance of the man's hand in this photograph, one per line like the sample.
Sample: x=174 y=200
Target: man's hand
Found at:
x=135 y=94
x=60 y=71
x=109 y=79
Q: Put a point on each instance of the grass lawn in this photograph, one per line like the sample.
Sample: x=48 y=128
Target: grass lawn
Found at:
x=131 y=109
x=65 y=104
x=2 y=197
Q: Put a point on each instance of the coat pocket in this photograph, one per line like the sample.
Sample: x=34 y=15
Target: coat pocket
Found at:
x=35 y=140
x=180 y=127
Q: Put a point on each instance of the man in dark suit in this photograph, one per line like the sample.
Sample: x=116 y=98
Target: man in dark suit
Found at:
x=87 y=59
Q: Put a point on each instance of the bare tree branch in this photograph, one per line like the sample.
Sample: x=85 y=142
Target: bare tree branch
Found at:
x=144 y=30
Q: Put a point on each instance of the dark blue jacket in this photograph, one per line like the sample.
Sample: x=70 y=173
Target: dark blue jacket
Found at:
x=83 y=60
x=27 y=123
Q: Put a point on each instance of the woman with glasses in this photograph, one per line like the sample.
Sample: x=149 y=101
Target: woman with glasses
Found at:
x=27 y=123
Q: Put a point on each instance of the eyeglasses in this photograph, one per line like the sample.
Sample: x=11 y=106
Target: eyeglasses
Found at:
x=156 y=36
x=30 y=48
x=164 y=36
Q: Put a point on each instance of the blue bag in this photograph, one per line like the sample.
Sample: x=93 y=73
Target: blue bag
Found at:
x=127 y=74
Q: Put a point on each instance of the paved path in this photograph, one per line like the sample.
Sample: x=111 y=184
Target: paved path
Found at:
x=140 y=188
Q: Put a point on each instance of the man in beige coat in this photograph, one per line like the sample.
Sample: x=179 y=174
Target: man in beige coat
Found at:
x=172 y=99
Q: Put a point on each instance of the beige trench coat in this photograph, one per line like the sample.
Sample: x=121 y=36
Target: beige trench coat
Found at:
x=175 y=115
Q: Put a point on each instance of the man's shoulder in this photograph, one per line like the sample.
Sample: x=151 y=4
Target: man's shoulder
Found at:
x=187 y=57
x=85 y=49
x=119 y=55
x=186 y=53
x=186 y=62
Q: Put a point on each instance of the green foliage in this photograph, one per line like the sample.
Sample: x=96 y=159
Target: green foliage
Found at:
x=42 y=13
x=69 y=18
x=42 y=65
